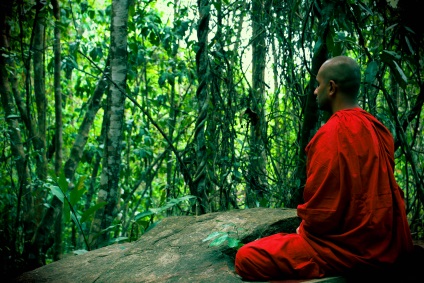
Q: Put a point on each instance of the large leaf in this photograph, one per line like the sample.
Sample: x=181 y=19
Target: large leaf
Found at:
x=233 y=242
x=63 y=183
x=400 y=75
x=213 y=235
x=388 y=56
x=90 y=211
x=57 y=192
x=371 y=72
x=142 y=215
x=219 y=241
x=391 y=58
x=66 y=212
x=74 y=218
x=171 y=203
x=77 y=192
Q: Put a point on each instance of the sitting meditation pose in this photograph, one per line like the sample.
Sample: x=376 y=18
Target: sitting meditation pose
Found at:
x=353 y=217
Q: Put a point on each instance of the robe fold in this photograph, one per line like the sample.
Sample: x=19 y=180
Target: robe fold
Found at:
x=353 y=215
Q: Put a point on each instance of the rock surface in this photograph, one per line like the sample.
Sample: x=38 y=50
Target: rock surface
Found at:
x=173 y=251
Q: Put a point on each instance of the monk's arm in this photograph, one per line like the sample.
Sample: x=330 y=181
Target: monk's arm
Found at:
x=324 y=193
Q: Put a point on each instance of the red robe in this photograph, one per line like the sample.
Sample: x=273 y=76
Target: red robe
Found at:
x=353 y=217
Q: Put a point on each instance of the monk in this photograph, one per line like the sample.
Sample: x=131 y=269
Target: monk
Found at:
x=353 y=215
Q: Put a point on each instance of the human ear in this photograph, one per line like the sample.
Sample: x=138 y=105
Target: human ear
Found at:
x=333 y=86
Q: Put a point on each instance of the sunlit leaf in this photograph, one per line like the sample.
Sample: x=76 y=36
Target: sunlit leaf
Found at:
x=119 y=239
x=63 y=183
x=219 y=241
x=57 y=192
x=233 y=242
x=212 y=236
x=142 y=215
x=77 y=192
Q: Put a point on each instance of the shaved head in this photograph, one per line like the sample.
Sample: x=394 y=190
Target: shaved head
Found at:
x=345 y=72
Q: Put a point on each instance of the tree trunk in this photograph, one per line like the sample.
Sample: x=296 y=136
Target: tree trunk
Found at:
x=52 y=219
x=217 y=123
x=57 y=248
x=84 y=129
x=91 y=192
x=40 y=92
x=25 y=203
x=109 y=190
x=171 y=124
x=257 y=176
x=37 y=245
x=202 y=94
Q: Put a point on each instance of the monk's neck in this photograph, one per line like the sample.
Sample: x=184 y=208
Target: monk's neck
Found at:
x=343 y=106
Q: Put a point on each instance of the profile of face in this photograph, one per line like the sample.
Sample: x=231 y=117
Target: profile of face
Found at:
x=322 y=93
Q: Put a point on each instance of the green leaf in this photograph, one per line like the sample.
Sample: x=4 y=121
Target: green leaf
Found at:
x=74 y=218
x=77 y=193
x=142 y=215
x=237 y=174
x=162 y=199
x=12 y=116
x=170 y=203
x=411 y=49
x=400 y=75
x=264 y=202
x=219 y=241
x=152 y=226
x=119 y=239
x=388 y=56
x=131 y=11
x=371 y=72
x=233 y=242
x=187 y=197
x=96 y=53
x=90 y=211
x=57 y=192
x=80 y=184
x=110 y=228
x=162 y=79
x=66 y=212
x=63 y=183
x=212 y=236
x=144 y=224
x=318 y=45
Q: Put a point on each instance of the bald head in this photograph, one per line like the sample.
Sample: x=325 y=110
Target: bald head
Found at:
x=345 y=72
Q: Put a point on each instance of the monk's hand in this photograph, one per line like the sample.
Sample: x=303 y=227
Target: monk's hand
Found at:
x=297 y=230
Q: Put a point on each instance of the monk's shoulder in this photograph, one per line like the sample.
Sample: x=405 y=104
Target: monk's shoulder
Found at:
x=352 y=123
x=326 y=136
x=331 y=127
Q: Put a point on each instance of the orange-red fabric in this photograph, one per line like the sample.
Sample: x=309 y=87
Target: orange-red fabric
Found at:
x=354 y=213
x=353 y=217
x=279 y=256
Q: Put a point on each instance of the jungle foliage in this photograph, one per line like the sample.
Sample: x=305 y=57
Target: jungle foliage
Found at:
x=118 y=113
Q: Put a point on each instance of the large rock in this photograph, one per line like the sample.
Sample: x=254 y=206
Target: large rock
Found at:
x=173 y=251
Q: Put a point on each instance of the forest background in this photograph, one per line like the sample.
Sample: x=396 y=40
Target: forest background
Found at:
x=116 y=114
